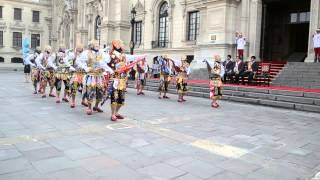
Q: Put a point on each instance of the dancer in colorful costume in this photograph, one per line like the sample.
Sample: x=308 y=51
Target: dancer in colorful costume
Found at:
x=45 y=61
x=95 y=64
x=183 y=70
x=216 y=73
x=118 y=80
x=141 y=69
x=63 y=68
x=35 y=71
x=76 y=81
x=165 y=76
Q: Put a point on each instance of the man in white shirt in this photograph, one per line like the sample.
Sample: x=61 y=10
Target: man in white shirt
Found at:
x=241 y=43
x=316 y=45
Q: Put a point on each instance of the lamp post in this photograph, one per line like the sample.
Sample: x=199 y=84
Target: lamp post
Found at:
x=133 y=16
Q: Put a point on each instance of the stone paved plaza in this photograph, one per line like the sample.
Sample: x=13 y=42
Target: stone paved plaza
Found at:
x=159 y=140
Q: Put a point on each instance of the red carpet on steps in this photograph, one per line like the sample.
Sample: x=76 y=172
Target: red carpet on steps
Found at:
x=284 y=88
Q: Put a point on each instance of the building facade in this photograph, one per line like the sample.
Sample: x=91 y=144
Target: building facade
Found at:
x=19 y=19
x=274 y=29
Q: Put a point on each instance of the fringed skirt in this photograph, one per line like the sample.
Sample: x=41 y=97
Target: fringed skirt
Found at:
x=216 y=88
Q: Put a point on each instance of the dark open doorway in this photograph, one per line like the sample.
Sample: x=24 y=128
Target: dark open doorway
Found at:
x=285 y=30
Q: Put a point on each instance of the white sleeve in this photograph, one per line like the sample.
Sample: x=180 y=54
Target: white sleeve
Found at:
x=106 y=57
x=222 y=71
x=188 y=71
x=107 y=68
x=51 y=63
x=38 y=61
x=81 y=61
x=145 y=68
x=177 y=62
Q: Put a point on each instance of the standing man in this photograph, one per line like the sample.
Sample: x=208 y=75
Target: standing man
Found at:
x=241 y=43
x=316 y=45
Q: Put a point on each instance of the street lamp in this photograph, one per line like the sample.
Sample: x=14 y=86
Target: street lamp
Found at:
x=133 y=16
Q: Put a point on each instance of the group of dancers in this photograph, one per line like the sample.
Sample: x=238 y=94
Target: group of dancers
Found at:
x=102 y=74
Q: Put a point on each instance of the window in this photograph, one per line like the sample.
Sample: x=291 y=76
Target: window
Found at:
x=300 y=17
x=138 y=33
x=163 y=25
x=0 y=11
x=1 y=38
x=17 y=39
x=97 y=30
x=35 y=40
x=193 y=25
x=35 y=16
x=17 y=14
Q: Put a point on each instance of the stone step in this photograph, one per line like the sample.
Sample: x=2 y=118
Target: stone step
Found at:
x=250 y=98
x=277 y=98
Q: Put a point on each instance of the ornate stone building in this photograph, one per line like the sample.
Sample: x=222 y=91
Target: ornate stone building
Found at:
x=23 y=18
x=275 y=29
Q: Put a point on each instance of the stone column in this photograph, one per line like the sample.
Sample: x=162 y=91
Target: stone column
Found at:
x=254 y=36
x=314 y=24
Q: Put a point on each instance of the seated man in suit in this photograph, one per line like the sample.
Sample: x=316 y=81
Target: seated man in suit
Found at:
x=238 y=70
x=228 y=66
x=251 y=69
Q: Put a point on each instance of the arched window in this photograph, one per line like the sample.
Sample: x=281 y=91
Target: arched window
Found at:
x=1 y=59
x=163 y=25
x=97 y=28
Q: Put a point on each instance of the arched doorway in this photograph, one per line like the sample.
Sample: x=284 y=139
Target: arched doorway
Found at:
x=285 y=29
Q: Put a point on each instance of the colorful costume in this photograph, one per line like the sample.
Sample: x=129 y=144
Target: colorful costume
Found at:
x=216 y=72
x=118 y=79
x=165 y=76
x=63 y=69
x=45 y=62
x=94 y=62
x=35 y=72
x=117 y=86
x=140 y=76
x=77 y=76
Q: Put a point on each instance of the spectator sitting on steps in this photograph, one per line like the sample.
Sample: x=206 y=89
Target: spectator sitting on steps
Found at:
x=228 y=66
x=238 y=70
x=252 y=68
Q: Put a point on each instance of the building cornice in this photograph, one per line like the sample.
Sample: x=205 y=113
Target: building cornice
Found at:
x=45 y=3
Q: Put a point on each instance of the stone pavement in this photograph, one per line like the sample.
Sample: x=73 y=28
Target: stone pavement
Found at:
x=159 y=140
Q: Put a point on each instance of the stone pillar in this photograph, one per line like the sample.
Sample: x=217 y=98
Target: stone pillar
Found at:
x=314 y=24
x=254 y=36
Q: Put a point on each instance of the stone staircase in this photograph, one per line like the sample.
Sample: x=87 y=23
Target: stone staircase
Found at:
x=299 y=74
x=297 y=100
x=297 y=57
